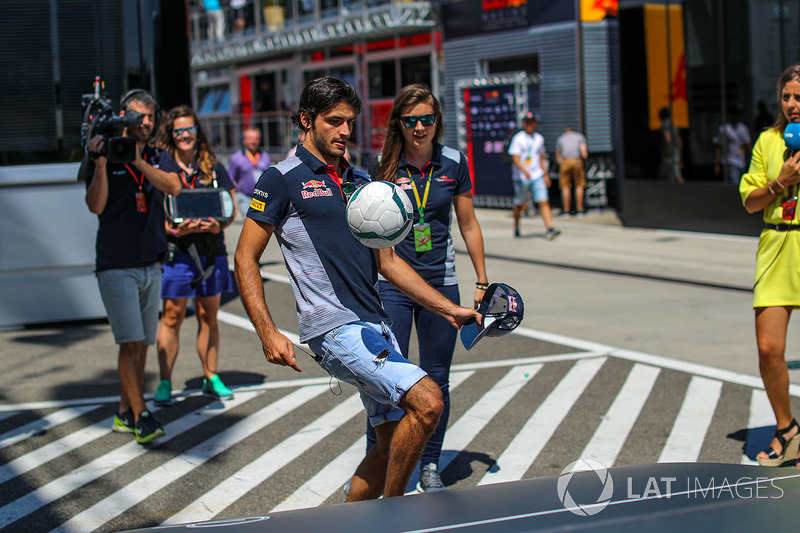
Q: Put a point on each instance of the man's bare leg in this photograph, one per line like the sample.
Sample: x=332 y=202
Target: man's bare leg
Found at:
x=370 y=476
x=388 y=465
x=131 y=363
x=423 y=406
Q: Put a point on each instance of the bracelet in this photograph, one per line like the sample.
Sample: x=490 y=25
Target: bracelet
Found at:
x=174 y=233
x=769 y=188
x=482 y=286
x=779 y=183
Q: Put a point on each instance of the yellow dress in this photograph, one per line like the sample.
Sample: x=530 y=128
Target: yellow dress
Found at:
x=777 y=277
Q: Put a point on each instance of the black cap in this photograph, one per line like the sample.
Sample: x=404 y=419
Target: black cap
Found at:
x=502 y=310
x=531 y=117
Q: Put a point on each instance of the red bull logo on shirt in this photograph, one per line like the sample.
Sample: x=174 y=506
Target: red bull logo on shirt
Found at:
x=404 y=183
x=313 y=184
x=316 y=193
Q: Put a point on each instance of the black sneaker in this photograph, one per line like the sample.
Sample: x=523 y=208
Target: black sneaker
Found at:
x=552 y=233
x=123 y=422
x=429 y=480
x=148 y=428
x=516 y=232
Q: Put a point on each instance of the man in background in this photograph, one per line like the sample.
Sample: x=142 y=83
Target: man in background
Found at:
x=128 y=200
x=571 y=151
x=529 y=173
x=732 y=145
x=246 y=167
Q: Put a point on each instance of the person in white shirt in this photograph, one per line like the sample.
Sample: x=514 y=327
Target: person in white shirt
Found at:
x=529 y=173
x=732 y=144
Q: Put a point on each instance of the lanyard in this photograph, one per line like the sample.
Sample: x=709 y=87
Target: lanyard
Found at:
x=421 y=204
x=139 y=180
x=254 y=158
x=194 y=178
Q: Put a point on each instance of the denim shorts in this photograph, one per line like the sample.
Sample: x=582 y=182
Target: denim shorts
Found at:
x=132 y=298
x=536 y=187
x=366 y=355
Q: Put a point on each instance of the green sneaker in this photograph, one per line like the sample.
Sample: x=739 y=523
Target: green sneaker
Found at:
x=163 y=394
x=123 y=422
x=215 y=388
x=148 y=428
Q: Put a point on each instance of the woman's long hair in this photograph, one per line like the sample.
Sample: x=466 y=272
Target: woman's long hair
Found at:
x=205 y=155
x=409 y=95
x=791 y=73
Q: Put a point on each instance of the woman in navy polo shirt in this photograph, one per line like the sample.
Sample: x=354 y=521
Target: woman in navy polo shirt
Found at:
x=182 y=136
x=437 y=180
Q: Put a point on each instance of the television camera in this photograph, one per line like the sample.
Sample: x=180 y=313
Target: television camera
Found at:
x=99 y=119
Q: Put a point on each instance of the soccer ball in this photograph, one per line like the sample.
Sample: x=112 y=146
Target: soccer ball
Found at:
x=379 y=214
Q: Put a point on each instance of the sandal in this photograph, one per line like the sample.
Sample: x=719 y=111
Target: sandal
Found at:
x=789 y=449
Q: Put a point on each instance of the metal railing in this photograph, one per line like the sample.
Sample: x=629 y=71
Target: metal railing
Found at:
x=224 y=132
x=289 y=26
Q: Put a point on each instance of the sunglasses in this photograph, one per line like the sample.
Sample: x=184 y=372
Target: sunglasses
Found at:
x=409 y=121
x=178 y=132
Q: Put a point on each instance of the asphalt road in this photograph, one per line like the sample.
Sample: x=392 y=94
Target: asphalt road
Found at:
x=637 y=347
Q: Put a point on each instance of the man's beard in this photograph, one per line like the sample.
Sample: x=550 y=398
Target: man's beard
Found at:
x=325 y=149
x=141 y=136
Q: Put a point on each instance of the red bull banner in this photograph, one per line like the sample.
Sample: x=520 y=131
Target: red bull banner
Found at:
x=597 y=10
x=666 y=64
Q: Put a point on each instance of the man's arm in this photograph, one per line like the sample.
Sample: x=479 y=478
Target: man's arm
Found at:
x=584 y=151
x=518 y=163
x=545 y=167
x=97 y=192
x=278 y=349
x=406 y=279
x=233 y=168
x=166 y=182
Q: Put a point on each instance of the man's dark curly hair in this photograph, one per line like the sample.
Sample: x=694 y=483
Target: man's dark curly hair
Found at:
x=323 y=94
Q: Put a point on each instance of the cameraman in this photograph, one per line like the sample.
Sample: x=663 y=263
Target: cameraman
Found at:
x=128 y=200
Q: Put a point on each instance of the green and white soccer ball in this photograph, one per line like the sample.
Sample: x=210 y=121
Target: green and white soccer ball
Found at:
x=380 y=214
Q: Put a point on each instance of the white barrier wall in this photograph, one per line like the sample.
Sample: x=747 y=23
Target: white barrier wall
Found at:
x=47 y=237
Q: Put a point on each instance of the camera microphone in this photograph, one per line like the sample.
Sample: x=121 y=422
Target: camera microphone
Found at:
x=791 y=136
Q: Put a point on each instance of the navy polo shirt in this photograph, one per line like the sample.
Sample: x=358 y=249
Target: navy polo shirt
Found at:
x=449 y=174
x=127 y=238
x=333 y=276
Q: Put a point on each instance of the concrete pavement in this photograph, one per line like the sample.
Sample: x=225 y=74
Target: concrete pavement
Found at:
x=682 y=295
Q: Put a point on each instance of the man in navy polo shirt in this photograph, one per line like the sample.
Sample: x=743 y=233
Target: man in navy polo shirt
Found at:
x=128 y=201
x=302 y=202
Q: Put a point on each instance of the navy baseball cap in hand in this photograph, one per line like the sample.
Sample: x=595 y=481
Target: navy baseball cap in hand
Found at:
x=502 y=310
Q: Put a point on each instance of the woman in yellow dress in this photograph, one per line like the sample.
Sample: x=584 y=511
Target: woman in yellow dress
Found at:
x=772 y=186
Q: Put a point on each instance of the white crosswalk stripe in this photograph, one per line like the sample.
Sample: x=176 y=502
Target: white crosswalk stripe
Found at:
x=689 y=430
x=694 y=409
x=618 y=421
x=155 y=480
x=82 y=475
x=54 y=450
x=240 y=483
x=461 y=433
x=537 y=431
x=45 y=423
x=760 y=414
x=331 y=478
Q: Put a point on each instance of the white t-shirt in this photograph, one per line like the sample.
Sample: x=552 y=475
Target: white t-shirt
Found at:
x=529 y=148
x=732 y=141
